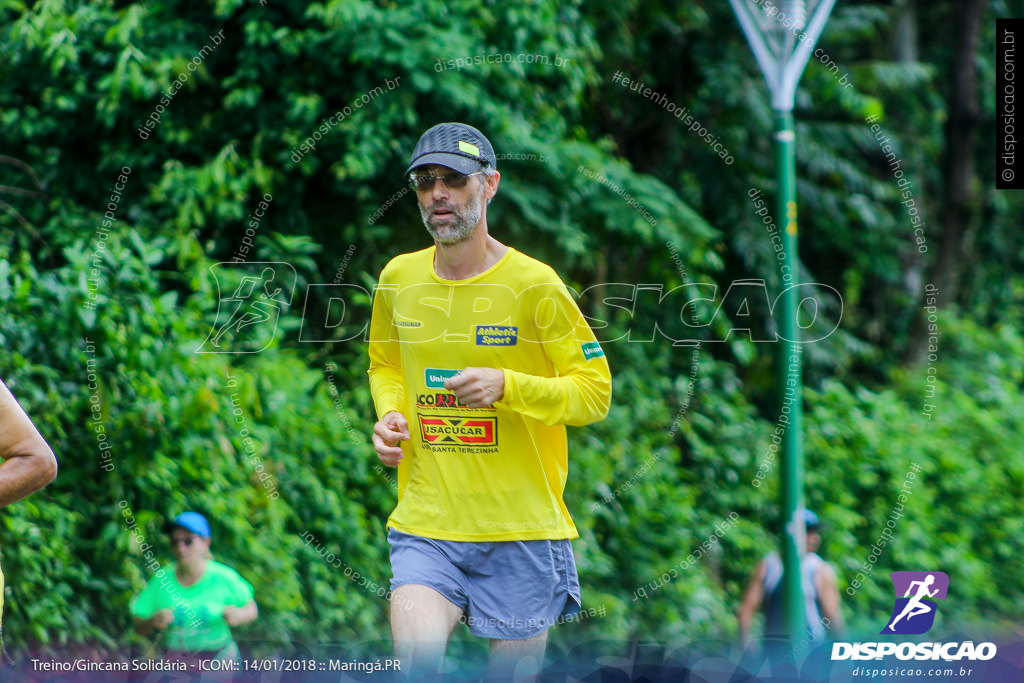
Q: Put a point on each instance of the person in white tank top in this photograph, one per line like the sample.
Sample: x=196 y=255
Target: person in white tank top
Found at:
x=822 y=613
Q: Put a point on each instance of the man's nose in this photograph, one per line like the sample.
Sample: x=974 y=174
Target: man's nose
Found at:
x=440 y=190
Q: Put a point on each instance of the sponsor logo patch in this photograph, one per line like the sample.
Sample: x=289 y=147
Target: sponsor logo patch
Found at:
x=496 y=335
x=471 y=431
x=592 y=350
x=447 y=400
x=434 y=377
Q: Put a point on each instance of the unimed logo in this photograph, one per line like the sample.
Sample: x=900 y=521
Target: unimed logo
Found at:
x=435 y=378
x=916 y=596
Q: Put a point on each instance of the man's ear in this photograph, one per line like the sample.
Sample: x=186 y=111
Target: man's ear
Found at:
x=492 y=186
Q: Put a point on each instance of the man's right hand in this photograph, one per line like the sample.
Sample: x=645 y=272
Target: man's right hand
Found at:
x=162 y=619
x=392 y=429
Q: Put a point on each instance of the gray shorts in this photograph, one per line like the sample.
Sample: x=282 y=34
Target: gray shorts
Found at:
x=510 y=590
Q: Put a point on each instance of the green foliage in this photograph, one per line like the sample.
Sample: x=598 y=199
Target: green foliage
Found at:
x=964 y=508
x=187 y=431
x=602 y=183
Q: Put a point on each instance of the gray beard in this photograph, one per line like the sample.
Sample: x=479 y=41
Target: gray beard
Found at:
x=461 y=228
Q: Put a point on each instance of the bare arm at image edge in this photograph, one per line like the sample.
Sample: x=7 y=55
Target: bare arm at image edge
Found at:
x=752 y=598
x=28 y=463
x=829 y=597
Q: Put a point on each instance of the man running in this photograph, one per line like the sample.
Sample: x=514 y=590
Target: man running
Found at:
x=478 y=358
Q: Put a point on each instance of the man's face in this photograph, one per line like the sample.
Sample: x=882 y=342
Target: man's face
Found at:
x=186 y=546
x=450 y=215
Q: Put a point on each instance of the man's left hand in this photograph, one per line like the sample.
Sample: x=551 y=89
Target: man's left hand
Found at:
x=232 y=615
x=477 y=387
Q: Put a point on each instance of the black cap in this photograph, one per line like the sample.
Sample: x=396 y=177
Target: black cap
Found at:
x=455 y=145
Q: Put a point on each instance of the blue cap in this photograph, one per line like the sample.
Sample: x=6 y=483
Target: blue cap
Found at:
x=192 y=521
x=811 y=520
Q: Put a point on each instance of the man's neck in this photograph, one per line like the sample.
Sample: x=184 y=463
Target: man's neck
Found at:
x=470 y=258
x=189 y=574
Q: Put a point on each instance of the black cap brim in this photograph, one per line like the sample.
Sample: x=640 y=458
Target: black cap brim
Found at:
x=453 y=161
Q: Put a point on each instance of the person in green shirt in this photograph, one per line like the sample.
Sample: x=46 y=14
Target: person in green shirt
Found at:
x=195 y=600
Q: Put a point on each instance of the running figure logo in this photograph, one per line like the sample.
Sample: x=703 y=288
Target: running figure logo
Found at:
x=246 y=320
x=916 y=593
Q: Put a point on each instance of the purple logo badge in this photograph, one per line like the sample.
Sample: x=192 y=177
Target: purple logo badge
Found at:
x=916 y=593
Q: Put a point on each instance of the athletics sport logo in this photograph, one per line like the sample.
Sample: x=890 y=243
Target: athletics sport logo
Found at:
x=916 y=593
x=250 y=300
x=496 y=335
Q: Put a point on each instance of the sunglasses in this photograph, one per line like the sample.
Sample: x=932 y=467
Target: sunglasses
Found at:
x=453 y=181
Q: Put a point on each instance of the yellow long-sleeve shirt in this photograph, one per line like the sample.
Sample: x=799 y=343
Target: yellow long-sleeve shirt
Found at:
x=495 y=473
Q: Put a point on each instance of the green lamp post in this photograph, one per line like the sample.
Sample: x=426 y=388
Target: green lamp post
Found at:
x=782 y=38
